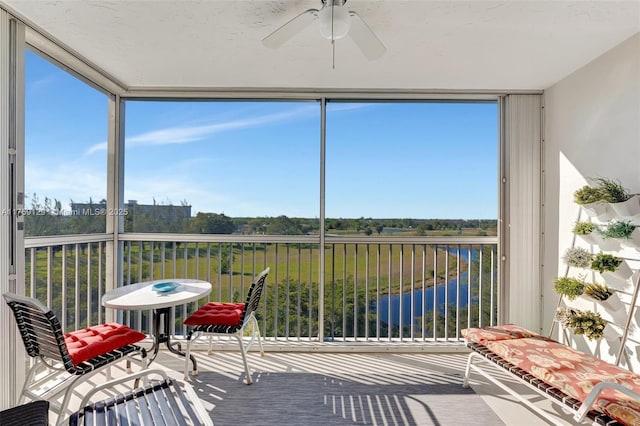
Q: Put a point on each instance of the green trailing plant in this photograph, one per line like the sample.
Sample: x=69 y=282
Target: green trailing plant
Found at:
x=587 y=323
x=617 y=229
x=614 y=191
x=578 y=257
x=584 y=228
x=597 y=291
x=588 y=194
x=569 y=287
x=605 y=262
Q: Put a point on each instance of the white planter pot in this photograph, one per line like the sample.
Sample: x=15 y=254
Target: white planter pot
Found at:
x=619 y=279
x=592 y=239
x=628 y=208
x=612 y=304
x=600 y=210
x=634 y=239
x=610 y=334
x=608 y=244
x=624 y=271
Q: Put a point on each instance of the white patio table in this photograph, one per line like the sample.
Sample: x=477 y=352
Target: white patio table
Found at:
x=142 y=295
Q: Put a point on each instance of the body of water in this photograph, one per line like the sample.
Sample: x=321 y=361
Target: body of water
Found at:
x=394 y=302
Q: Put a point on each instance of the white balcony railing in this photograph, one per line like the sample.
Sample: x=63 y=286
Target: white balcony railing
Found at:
x=375 y=288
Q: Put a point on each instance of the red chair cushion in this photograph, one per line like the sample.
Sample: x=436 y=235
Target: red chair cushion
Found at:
x=215 y=313
x=88 y=343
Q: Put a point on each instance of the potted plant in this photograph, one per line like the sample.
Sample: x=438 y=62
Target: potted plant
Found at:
x=569 y=287
x=584 y=228
x=605 y=262
x=622 y=202
x=577 y=257
x=588 y=195
x=593 y=200
x=603 y=294
x=608 y=263
x=587 y=323
x=613 y=191
x=617 y=229
x=599 y=292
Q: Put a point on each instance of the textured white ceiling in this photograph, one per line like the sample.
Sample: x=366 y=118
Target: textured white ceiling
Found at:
x=457 y=45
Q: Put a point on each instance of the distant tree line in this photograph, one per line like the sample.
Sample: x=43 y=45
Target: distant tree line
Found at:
x=47 y=217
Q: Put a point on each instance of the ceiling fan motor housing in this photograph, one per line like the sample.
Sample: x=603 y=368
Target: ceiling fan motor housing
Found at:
x=334 y=19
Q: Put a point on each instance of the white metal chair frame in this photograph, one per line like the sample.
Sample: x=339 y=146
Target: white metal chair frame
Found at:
x=247 y=319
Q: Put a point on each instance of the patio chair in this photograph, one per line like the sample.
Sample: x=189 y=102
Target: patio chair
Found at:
x=81 y=353
x=164 y=402
x=228 y=319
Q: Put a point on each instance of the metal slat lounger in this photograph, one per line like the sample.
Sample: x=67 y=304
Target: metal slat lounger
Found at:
x=165 y=402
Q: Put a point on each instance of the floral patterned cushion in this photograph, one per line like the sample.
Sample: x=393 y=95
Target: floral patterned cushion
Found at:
x=574 y=373
x=500 y=332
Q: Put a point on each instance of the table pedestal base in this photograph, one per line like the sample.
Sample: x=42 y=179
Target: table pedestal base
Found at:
x=164 y=315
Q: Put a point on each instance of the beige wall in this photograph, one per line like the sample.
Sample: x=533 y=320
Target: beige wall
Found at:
x=592 y=129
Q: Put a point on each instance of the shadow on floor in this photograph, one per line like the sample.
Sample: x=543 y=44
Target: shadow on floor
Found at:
x=316 y=399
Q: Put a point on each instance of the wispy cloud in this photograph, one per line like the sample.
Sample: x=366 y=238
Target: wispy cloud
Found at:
x=347 y=106
x=187 y=134
x=41 y=84
x=65 y=182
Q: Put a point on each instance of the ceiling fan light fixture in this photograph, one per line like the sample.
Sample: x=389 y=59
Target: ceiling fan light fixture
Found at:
x=341 y=21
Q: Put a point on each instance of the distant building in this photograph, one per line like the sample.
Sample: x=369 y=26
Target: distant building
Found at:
x=166 y=211
x=132 y=207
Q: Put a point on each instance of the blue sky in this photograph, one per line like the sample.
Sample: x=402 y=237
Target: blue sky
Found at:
x=383 y=160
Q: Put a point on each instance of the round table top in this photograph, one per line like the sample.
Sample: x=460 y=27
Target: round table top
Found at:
x=142 y=295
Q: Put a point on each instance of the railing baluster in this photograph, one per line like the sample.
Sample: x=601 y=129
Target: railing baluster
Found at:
x=89 y=311
x=49 y=276
x=457 y=331
x=32 y=274
x=209 y=268
x=446 y=292
x=129 y=262
x=355 y=291
x=63 y=313
x=423 y=315
x=366 y=293
x=344 y=292
x=435 y=293
x=480 y=259
x=77 y=286
x=299 y=293
x=287 y=307
x=378 y=261
x=100 y=266
x=220 y=272
x=163 y=260
x=275 y=295
x=310 y=315
x=413 y=295
x=264 y=297
x=152 y=253
x=389 y=294
x=401 y=293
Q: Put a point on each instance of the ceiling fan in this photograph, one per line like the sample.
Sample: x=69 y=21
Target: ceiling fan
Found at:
x=335 y=22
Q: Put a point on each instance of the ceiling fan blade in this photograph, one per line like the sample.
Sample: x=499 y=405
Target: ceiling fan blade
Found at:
x=361 y=34
x=290 y=29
